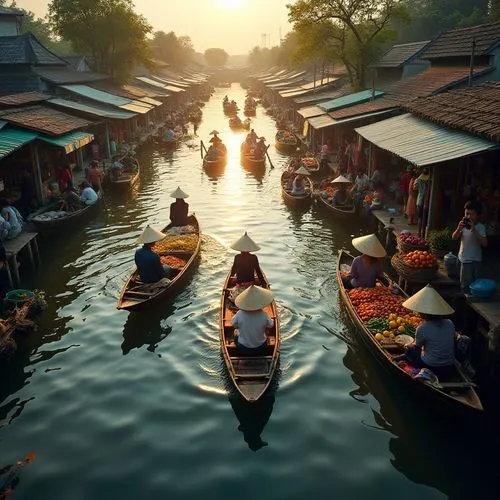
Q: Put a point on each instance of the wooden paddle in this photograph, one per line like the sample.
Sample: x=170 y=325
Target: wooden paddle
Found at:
x=269 y=158
x=202 y=148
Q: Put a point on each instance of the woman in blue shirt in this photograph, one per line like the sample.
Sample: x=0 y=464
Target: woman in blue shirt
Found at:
x=148 y=262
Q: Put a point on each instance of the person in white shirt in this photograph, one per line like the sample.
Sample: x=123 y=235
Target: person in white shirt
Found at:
x=251 y=321
x=472 y=235
x=361 y=185
x=88 y=196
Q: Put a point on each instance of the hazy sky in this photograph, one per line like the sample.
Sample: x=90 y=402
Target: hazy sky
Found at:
x=234 y=25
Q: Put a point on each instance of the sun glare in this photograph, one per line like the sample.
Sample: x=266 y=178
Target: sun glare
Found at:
x=231 y=4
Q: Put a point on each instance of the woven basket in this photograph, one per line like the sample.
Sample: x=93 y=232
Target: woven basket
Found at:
x=424 y=275
x=406 y=248
x=439 y=254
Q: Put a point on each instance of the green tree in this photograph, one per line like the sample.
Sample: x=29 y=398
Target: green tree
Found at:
x=356 y=30
x=216 y=57
x=174 y=50
x=108 y=32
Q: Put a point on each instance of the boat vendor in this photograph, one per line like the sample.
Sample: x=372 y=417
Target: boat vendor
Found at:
x=88 y=196
x=65 y=177
x=434 y=345
x=12 y=216
x=341 y=197
x=116 y=168
x=95 y=176
x=148 y=263
x=260 y=148
x=253 y=136
x=251 y=322
x=299 y=182
x=361 y=186
x=70 y=200
x=179 y=208
x=367 y=267
x=245 y=265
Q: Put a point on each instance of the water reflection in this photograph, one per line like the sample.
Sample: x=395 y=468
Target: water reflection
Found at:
x=253 y=418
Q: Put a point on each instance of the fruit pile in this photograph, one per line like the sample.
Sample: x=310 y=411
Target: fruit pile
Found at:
x=412 y=239
x=183 y=242
x=420 y=259
x=172 y=261
x=376 y=302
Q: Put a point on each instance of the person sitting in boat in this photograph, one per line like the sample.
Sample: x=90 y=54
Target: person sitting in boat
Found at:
x=179 y=208
x=361 y=186
x=88 y=196
x=226 y=99
x=70 y=201
x=95 y=176
x=116 y=168
x=434 y=345
x=212 y=153
x=299 y=182
x=260 y=148
x=253 y=136
x=366 y=268
x=251 y=321
x=245 y=265
x=341 y=197
x=148 y=263
x=13 y=217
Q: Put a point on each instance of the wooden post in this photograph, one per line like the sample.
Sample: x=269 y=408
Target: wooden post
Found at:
x=37 y=173
x=108 y=139
x=432 y=201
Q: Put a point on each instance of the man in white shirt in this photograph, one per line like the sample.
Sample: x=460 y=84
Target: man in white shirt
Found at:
x=88 y=196
x=472 y=235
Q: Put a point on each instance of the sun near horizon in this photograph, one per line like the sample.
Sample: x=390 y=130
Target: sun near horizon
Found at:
x=232 y=4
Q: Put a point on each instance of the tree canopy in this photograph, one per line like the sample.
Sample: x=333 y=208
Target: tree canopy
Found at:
x=172 y=49
x=108 y=32
x=216 y=57
x=355 y=30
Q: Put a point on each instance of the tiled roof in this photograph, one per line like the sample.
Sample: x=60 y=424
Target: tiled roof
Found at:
x=67 y=75
x=456 y=43
x=43 y=119
x=401 y=54
x=8 y=11
x=430 y=81
x=23 y=98
x=26 y=49
x=475 y=110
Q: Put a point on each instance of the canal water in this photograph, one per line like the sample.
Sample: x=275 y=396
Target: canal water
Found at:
x=138 y=405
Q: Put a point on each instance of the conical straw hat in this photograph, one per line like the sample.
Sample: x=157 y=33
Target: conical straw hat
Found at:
x=302 y=171
x=178 y=193
x=245 y=244
x=214 y=132
x=369 y=245
x=428 y=301
x=341 y=180
x=150 y=235
x=254 y=298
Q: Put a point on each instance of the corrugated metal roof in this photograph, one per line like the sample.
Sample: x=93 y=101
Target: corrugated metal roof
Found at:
x=323 y=95
x=109 y=98
x=310 y=112
x=70 y=142
x=308 y=87
x=171 y=81
x=349 y=100
x=158 y=84
x=93 y=109
x=11 y=140
x=362 y=117
x=321 y=121
x=421 y=142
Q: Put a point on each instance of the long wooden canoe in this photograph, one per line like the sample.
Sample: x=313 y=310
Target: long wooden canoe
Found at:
x=250 y=375
x=286 y=190
x=249 y=111
x=68 y=221
x=126 y=179
x=339 y=212
x=133 y=296
x=219 y=162
x=252 y=162
x=454 y=392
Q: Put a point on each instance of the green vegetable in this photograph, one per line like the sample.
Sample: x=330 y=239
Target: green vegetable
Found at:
x=378 y=325
x=441 y=241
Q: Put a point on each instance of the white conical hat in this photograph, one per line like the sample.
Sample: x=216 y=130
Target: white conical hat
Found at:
x=369 y=245
x=178 y=193
x=341 y=180
x=254 y=298
x=150 y=235
x=245 y=244
x=428 y=301
x=302 y=171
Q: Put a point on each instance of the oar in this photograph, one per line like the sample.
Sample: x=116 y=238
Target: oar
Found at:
x=202 y=146
x=269 y=158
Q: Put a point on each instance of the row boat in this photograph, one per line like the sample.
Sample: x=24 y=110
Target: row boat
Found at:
x=311 y=164
x=286 y=147
x=250 y=375
x=286 y=190
x=454 y=392
x=69 y=220
x=131 y=296
x=126 y=179
x=339 y=212
x=250 y=161
x=219 y=162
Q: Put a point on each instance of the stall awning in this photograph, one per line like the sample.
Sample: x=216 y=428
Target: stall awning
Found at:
x=321 y=121
x=93 y=110
x=11 y=140
x=350 y=99
x=70 y=142
x=310 y=112
x=421 y=142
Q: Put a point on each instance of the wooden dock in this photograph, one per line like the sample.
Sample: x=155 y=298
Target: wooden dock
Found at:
x=25 y=241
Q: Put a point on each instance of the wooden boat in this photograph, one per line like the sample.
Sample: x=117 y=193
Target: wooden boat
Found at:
x=230 y=109
x=311 y=163
x=131 y=296
x=249 y=111
x=286 y=147
x=286 y=190
x=126 y=179
x=250 y=375
x=340 y=212
x=250 y=161
x=219 y=162
x=455 y=392
x=236 y=124
x=67 y=221
x=172 y=144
